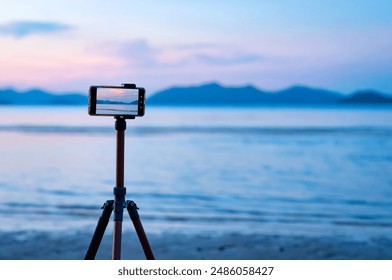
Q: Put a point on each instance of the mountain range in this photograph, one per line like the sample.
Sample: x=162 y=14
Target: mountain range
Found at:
x=40 y=97
x=216 y=94
x=211 y=94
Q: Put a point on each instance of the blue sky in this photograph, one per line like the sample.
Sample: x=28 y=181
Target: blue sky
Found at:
x=69 y=45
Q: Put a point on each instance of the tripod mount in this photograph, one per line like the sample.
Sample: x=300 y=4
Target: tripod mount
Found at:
x=117 y=206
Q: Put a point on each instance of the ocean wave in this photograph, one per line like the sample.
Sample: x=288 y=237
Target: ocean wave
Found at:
x=90 y=212
x=153 y=130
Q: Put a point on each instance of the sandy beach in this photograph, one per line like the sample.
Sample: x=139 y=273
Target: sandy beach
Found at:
x=72 y=246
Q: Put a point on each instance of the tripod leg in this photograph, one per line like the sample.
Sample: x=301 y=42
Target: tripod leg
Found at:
x=132 y=210
x=99 y=230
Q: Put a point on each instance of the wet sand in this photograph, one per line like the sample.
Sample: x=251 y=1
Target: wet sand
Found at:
x=73 y=246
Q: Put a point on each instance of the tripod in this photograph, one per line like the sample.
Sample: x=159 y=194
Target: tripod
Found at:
x=117 y=205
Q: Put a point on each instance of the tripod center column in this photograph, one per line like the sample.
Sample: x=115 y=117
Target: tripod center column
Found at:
x=119 y=190
x=121 y=125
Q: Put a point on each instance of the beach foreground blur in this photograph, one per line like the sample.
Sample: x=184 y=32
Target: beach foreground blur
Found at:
x=44 y=246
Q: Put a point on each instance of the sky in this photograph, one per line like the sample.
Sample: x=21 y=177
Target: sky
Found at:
x=68 y=45
x=122 y=95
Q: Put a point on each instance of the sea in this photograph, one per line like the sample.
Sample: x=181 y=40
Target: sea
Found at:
x=258 y=170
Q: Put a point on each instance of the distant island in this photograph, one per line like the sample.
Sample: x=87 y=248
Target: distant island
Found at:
x=367 y=97
x=40 y=97
x=211 y=94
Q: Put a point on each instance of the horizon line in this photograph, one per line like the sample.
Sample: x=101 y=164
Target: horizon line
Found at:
x=190 y=85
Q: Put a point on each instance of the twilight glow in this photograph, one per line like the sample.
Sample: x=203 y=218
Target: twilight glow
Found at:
x=69 y=45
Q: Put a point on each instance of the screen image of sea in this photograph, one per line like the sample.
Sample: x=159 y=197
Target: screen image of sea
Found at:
x=116 y=109
x=117 y=101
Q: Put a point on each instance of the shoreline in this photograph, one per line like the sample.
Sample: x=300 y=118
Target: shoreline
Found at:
x=177 y=246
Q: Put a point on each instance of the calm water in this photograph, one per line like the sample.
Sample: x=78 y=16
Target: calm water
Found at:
x=265 y=170
x=116 y=109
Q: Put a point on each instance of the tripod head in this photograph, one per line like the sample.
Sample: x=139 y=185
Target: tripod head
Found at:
x=121 y=124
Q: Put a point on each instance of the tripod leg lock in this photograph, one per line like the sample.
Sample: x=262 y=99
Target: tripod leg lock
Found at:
x=132 y=209
x=108 y=203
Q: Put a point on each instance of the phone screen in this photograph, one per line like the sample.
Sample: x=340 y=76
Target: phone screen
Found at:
x=117 y=101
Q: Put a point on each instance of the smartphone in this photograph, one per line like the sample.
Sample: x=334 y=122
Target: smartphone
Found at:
x=127 y=100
